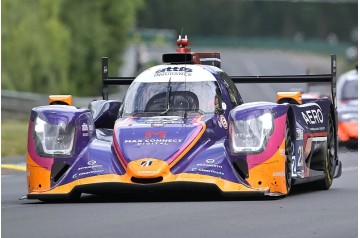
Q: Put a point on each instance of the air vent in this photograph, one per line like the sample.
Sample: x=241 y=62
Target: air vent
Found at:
x=146 y=180
x=241 y=167
x=58 y=169
x=177 y=58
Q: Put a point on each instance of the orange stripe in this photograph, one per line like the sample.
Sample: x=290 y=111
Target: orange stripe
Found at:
x=224 y=185
x=191 y=145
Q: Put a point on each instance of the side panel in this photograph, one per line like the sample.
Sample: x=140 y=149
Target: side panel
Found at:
x=266 y=168
x=310 y=134
x=45 y=170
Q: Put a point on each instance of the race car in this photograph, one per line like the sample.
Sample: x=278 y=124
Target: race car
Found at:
x=348 y=108
x=183 y=126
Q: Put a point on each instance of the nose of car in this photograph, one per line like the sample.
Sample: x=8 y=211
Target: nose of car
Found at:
x=148 y=168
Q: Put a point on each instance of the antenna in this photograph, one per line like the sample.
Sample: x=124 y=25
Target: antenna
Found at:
x=182 y=48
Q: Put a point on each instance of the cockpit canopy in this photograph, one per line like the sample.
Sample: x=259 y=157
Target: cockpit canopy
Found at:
x=166 y=89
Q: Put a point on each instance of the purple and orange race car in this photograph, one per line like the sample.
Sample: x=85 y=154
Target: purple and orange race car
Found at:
x=184 y=126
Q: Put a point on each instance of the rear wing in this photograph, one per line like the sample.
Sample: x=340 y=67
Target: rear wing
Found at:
x=316 y=78
x=106 y=80
x=320 y=78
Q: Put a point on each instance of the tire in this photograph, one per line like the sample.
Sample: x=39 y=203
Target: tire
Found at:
x=288 y=157
x=329 y=164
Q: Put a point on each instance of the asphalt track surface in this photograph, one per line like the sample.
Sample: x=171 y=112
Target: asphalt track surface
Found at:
x=304 y=213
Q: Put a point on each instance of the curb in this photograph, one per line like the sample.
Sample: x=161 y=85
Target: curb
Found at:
x=14 y=162
x=14 y=167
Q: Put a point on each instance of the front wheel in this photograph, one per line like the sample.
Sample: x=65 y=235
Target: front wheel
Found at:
x=288 y=157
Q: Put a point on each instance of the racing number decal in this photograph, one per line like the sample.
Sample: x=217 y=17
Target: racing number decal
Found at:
x=301 y=156
x=299 y=162
x=293 y=160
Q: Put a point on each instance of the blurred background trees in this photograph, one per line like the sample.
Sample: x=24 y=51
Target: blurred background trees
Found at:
x=55 y=46
x=314 y=19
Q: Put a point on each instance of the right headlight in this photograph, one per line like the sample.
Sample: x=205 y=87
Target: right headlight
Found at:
x=251 y=135
x=54 y=139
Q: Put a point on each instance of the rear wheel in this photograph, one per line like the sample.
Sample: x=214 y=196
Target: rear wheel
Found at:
x=330 y=158
x=288 y=157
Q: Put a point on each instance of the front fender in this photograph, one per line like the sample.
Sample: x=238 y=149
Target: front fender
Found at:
x=45 y=169
x=267 y=166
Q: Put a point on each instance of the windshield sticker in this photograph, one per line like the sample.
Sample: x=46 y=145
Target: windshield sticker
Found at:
x=162 y=120
x=170 y=71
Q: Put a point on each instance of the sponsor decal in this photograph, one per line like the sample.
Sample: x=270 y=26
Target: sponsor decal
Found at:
x=301 y=174
x=162 y=121
x=87 y=173
x=91 y=165
x=207 y=171
x=169 y=71
x=161 y=134
x=85 y=128
x=210 y=161
x=153 y=141
x=313 y=116
x=209 y=165
x=279 y=174
x=299 y=134
x=146 y=163
x=157 y=125
x=223 y=122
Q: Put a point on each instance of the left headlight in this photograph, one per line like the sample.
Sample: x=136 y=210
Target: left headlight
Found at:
x=54 y=139
x=251 y=135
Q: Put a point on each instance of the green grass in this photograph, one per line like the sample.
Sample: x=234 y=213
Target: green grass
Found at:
x=13 y=137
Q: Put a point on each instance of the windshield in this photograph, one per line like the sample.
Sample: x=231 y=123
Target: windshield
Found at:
x=164 y=97
x=350 y=90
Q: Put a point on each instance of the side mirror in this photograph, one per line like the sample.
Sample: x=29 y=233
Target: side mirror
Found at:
x=60 y=100
x=104 y=113
x=220 y=106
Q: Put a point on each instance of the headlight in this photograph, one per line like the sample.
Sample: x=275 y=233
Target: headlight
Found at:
x=54 y=139
x=251 y=135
